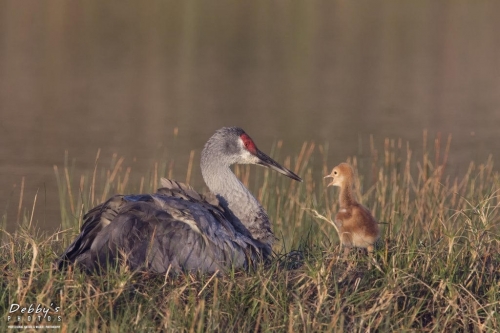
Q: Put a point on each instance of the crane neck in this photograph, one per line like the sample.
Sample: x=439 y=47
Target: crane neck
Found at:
x=247 y=214
x=346 y=196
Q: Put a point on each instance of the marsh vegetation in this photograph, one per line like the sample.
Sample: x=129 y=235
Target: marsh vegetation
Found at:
x=439 y=254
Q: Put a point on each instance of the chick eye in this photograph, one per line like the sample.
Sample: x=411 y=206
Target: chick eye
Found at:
x=335 y=172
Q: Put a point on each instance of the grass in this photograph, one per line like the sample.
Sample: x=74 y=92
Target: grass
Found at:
x=439 y=255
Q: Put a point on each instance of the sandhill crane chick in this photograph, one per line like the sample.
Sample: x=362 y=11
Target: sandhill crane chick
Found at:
x=355 y=224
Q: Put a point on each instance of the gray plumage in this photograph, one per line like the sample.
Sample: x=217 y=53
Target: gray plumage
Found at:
x=178 y=229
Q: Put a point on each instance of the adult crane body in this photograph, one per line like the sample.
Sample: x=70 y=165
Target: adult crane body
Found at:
x=177 y=229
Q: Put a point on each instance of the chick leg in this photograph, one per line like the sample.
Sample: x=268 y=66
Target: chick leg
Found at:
x=370 y=249
x=346 y=253
x=349 y=265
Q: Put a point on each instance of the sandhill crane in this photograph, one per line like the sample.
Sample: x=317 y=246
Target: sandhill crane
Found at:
x=177 y=229
x=355 y=224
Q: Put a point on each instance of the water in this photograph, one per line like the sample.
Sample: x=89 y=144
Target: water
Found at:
x=121 y=75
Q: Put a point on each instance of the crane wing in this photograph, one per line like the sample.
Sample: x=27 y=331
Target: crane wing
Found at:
x=176 y=228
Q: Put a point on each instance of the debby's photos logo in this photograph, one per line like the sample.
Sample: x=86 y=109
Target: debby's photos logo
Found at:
x=33 y=316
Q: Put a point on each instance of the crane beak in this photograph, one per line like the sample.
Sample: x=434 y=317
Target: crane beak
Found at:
x=331 y=183
x=266 y=161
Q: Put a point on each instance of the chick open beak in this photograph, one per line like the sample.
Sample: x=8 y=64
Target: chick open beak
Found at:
x=329 y=176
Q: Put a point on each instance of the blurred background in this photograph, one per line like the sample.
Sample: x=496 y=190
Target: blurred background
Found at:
x=120 y=76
